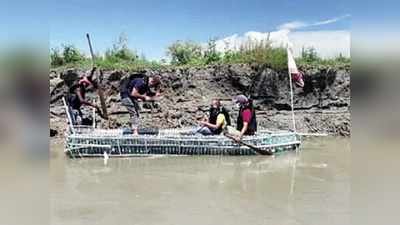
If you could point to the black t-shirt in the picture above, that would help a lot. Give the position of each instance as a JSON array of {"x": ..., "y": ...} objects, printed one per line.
[
  {"x": 73, "y": 99},
  {"x": 139, "y": 84}
]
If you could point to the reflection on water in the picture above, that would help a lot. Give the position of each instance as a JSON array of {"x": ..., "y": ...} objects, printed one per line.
[{"x": 308, "y": 187}]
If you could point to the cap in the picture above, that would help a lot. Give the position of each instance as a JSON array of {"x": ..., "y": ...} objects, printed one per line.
[{"x": 240, "y": 99}]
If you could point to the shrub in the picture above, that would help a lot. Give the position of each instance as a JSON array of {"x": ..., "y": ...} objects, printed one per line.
[
  {"x": 120, "y": 51},
  {"x": 210, "y": 54},
  {"x": 184, "y": 53},
  {"x": 342, "y": 59},
  {"x": 71, "y": 54},
  {"x": 260, "y": 53},
  {"x": 56, "y": 58},
  {"x": 309, "y": 55},
  {"x": 189, "y": 53}
]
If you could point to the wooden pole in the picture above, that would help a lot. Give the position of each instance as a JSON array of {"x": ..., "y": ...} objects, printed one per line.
[
  {"x": 252, "y": 147},
  {"x": 91, "y": 49},
  {"x": 100, "y": 87}
]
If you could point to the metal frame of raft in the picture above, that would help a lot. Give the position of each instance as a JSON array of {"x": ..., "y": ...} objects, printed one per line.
[{"x": 92, "y": 142}]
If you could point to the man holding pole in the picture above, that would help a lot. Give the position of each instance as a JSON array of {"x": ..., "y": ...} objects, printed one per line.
[{"x": 77, "y": 97}]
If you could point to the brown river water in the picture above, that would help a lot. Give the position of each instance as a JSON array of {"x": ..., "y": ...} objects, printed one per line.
[{"x": 309, "y": 187}]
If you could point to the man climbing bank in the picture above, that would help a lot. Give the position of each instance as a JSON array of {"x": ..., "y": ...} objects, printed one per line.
[{"x": 133, "y": 90}]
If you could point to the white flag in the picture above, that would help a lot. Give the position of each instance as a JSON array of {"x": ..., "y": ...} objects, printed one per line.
[
  {"x": 291, "y": 63},
  {"x": 297, "y": 76}
]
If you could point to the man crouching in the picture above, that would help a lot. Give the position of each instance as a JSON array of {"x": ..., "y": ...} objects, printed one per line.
[{"x": 135, "y": 90}]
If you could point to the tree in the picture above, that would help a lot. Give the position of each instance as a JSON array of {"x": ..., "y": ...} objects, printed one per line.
[
  {"x": 56, "y": 58},
  {"x": 342, "y": 59},
  {"x": 120, "y": 50},
  {"x": 309, "y": 54},
  {"x": 71, "y": 54},
  {"x": 211, "y": 55},
  {"x": 183, "y": 53}
]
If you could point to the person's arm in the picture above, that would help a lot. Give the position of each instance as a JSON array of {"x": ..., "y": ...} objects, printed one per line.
[
  {"x": 210, "y": 125},
  {"x": 82, "y": 100},
  {"x": 154, "y": 95},
  {"x": 243, "y": 131},
  {"x": 220, "y": 122},
  {"x": 135, "y": 93},
  {"x": 92, "y": 71},
  {"x": 246, "y": 117}
]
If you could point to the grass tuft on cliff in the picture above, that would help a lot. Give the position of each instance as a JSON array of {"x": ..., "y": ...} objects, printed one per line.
[{"x": 189, "y": 54}]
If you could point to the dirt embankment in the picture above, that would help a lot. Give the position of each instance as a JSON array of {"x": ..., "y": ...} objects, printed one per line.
[{"x": 321, "y": 106}]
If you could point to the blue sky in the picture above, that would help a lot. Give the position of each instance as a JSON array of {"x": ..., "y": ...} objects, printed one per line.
[{"x": 154, "y": 24}]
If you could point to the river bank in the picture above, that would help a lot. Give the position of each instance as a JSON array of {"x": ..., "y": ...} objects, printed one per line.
[{"x": 322, "y": 105}]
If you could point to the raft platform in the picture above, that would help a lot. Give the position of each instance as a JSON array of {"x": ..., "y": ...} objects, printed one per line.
[{"x": 94, "y": 142}]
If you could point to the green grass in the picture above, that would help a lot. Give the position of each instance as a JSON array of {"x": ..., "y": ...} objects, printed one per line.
[{"x": 186, "y": 54}]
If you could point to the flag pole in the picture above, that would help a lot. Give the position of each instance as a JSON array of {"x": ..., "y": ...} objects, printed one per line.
[{"x": 290, "y": 57}]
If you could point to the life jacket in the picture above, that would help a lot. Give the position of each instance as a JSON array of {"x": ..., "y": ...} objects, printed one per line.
[
  {"x": 214, "y": 113},
  {"x": 252, "y": 128}
]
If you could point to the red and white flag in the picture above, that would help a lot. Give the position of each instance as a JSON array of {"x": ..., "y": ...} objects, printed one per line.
[{"x": 297, "y": 75}]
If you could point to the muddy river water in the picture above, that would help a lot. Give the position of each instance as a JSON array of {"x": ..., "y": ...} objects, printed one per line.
[{"x": 309, "y": 187}]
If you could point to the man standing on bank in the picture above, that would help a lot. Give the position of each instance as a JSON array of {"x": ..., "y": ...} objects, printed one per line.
[{"x": 135, "y": 90}]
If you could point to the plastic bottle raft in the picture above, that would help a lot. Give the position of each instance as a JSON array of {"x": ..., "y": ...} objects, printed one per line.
[{"x": 92, "y": 142}]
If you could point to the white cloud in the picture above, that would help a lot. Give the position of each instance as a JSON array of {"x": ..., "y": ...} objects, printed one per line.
[
  {"x": 328, "y": 44},
  {"x": 293, "y": 25},
  {"x": 333, "y": 20}
]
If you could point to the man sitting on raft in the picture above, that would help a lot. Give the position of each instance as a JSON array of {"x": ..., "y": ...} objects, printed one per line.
[
  {"x": 246, "y": 122},
  {"x": 217, "y": 121}
]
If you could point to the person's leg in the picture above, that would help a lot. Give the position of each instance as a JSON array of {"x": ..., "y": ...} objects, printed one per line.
[
  {"x": 205, "y": 131},
  {"x": 76, "y": 117},
  {"x": 232, "y": 131},
  {"x": 71, "y": 115},
  {"x": 133, "y": 113}
]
